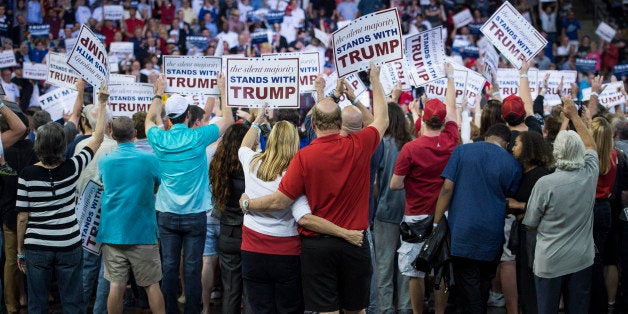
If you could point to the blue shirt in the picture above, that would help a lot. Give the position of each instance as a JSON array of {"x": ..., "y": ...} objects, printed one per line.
[
  {"x": 484, "y": 174},
  {"x": 183, "y": 167},
  {"x": 128, "y": 203},
  {"x": 571, "y": 29}
]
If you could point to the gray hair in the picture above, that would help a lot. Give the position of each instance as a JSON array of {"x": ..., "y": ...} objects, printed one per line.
[{"x": 568, "y": 151}]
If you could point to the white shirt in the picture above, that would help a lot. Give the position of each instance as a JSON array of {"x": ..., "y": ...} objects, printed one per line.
[
  {"x": 548, "y": 22},
  {"x": 282, "y": 223},
  {"x": 289, "y": 28},
  {"x": 272, "y": 5},
  {"x": 244, "y": 10},
  {"x": 11, "y": 90},
  {"x": 82, "y": 14},
  {"x": 98, "y": 14},
  {"x": 229, "y": 37}
]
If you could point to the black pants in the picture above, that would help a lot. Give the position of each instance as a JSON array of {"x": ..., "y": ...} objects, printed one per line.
[
  {"x": 525, "y": 276},
  {"x": 473, "y": 283},
  {"x": 273, "y": 282},
  {"x": 229, "y": 242},
  {"x": 601, "y": 236}
]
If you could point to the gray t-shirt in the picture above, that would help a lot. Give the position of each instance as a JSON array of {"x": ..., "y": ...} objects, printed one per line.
[{"x": 561, "y": 208}]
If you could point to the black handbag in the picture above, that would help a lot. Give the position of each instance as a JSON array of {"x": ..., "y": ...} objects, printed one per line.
[
  {"x": 417, "y": 231},
  {"x": 513, "y": 240}
]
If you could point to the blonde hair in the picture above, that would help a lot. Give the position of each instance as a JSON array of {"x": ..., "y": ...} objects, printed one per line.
[
  {"x": 282, "y": 145},
  {"x": 603, "y": 136}
]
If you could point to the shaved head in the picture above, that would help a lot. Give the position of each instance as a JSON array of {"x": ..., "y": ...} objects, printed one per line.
[{"x": 351, "y": 119}]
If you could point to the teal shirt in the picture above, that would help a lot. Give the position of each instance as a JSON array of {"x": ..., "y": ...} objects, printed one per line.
[
  {"x": 183, "y": 167},
  {"x": 128, "y": 203}
]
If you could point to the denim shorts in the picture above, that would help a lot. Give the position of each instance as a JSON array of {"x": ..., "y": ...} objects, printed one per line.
[{"x": 211, "y": 238}]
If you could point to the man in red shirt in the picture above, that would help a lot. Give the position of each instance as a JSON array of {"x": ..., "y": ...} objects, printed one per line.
[
  {"x": 133, "y": 22},
  {"x": 333, "y": 173},
  {"x": 418, "y": 170}
]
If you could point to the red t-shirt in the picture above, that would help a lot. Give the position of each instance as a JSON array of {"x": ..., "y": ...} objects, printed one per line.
[
  {"x": 422, "y": 162},
  {"x": 167, "y": 14},
  {"x": 605, "y": 182},
  {"x": 132, "y": 23},
  {"x": 335, "y": 172}
]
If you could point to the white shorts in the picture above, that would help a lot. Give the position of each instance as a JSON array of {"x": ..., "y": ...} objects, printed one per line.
[
  {"x": 507, "y": 255},
  {"x": 408, "y": 252}
]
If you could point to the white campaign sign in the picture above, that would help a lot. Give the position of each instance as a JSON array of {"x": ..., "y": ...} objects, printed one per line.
[
  {"x": 309, "y": 67},
  {"x": 59, "y": 72},
  {"x": 551, "y": 95},
  {"x": 394, "y": 72},
  {"x": 438, "y": 89},
  {"x": 513, "y": 36},
  {"x": 89, "y": 58},
  {"x": 121, "y": 79},
  {"x": 605, "y": 32},
  {"x": 197, "y": 99},
  {"x": 57, "y": 102},
  {"x": 475, "y": 83},
  {"x": 330, "y": 86},
  {"x": 88, "y": 216},
  {"x": 373, "y": 37},
  {"x": 127, "y": 99},
  {"x": 192, "y": 74},
  {"x": 322, "y": 36},
  {"x": 34, "y": 71},
  {"x": 113, "y": 12},
  {"x": 490, "y": 62},
  {"x": 7, "y": 59},
  {"x": 425, "y": 53},
  {"x": 251, "y": 82},
  {"x": 462, "y": 18},
  {"x": 356, "y": 83},
  {"x": 612, "y": 95},
  {"x": 122, "y": 50}
]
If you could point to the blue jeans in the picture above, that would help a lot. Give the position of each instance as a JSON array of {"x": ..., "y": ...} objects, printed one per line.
[
  {"x": 372, "y": 308},
  {"x": 575, "y": 289},
  {"x": 68, "y": 267},
  {"x": 177, "y": 233},
  {"x": 93, "y": 271},
  {"x": 389, "y": 278}
]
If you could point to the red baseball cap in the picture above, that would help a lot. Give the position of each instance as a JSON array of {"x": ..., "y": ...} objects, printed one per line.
[
  {"x": 435, "y": 108},
  {"x": 513, "y": 110}
]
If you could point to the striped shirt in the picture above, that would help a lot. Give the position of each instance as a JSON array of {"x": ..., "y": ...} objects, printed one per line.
[{"x": 48, "y": 196}]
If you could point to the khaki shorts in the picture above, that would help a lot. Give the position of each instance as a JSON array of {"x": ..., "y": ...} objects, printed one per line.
[{"x": 143, "y": 259}]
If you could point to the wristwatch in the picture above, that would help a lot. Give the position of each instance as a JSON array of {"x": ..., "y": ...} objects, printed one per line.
[
  {"x": 334, "y": 98},
  {"x": 245, "y": 206}
]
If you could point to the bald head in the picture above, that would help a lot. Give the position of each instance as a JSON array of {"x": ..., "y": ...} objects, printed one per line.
[
  {"x": 123, "y": 129},
  {"x": 326, "y": 116},
  {"x": 351, "y": 120}
]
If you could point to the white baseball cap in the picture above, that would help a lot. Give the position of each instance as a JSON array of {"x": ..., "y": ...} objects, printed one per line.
[{"x": 176, "y": 105}]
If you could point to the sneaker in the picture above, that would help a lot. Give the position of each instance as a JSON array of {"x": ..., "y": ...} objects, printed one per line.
[
  {"x": 6, "y": 170},
  {"x": 496, "y": 300},
  {"x": 611, "y": 308},
  {"x": 181, "y": 299}
]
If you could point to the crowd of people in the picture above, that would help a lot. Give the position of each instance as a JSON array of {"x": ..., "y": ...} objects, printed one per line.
[{"x": 322, "y": 208}]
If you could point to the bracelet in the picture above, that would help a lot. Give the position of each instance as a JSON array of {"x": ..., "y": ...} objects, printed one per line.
[
  {"x": 2, "y": 104},
  {"x": 434, "y": 225},
  {"x": 255, "y": 126},
  {"x": 21, "y": 256},
  {"x": 157, "y": 96},
  {"x": 450, "y": 76},
  {"x": 595, "y": 94},
  {"x": 523, "y": 76},
  {"x": 355, "y": 101}
]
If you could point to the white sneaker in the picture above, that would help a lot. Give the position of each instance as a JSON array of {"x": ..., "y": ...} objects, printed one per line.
[{"x": 496, "y": 300}]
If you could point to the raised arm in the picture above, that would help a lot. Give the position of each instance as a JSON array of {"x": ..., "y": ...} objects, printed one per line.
[
  {"x": 154, "y": 112},
  {"x": 380, "y": 107},
  {"x": 16, "y": 130},
  {"x": 227, "y": 115},
  {"x": 209, "y": 109},
  {"x": 367, "y": 116},
  {"x": 571, "y": 112},
  {"x": 319, "y": 85},
  {"x": 99, "y": 131},
  {"x": 596, "y": 90},
  {"x": 252, "y": 135},
  {"x": 524, "y": 89},
  {"x": 450, "y": 94}
]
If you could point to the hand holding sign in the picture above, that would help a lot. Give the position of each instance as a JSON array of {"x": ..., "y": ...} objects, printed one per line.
[
  {"x": 340, "y": 88},
  {"x": 596, "y": 85},
  {"x": 374, "y": 75},
  {"x": 569, "y": 108},
  {"x": 396, "y": 92},
  {"x": 449, "y": 69},
  {"x": 348, "y": 90},
  {"x": 103, "y": 94},
  {"x": 221, "y": 83},
  {"x": 560, "y": 86},
  {"x": 525, "y": 66},
  {"x": 160, "y": 84}
]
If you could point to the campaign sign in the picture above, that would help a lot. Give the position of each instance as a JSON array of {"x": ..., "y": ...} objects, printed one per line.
[
  {"x": 309, "y": 67},
  {"x": 197, "y": 99},
  {"x": 127, "y": 99},
  {"x": 471, "y": 52},
  {"x": 438, "y": 89},
  {"x": 121, "y": 79},
  {"x": 192, "y": 74},
  {"x": 34, "y": 71},
  {"x": 69, "y": 44},
  {"x": 57, "y": 102},
  {"x": 88, "y": 216},
  {"x": 199, "y": 42},
  {"x": 585, "y": 65},
  {"x": 113, "y": 12},
  {"x": 462, "y": 18},
  {"x": 59, "y": 72},
  {"x": 373, "y": 37},
  {"x": 273, "y": 17},
  {"x": 475, "y": 83},
  {"x": 551, "y": 95},
  {"x": 39, "y": 31},
  {"x": 425, "y": 54},
  {"x": 513, "y": 36},
  {"x": 508, "y": 80},
  {"x": 620, "y": 70},
  {"x": 259, "y": 36},
  {"x": 330, "y": 87},
  {"x": 322, "y": 36},
  {"x": 89, "y": 58},
  {"x": 612, "y": 95},
  {"x": 251, "y": 82},
  {"x": 605, "y": 32},
  {"x": 474, "y": 28},
  {"x": 393, "y": 72},
  {"x": 121, "y": 49},
  {"x": 356, "y": 83},
  {"x": 7, "y": 59},
  {"x": 491, "y": 60}
]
